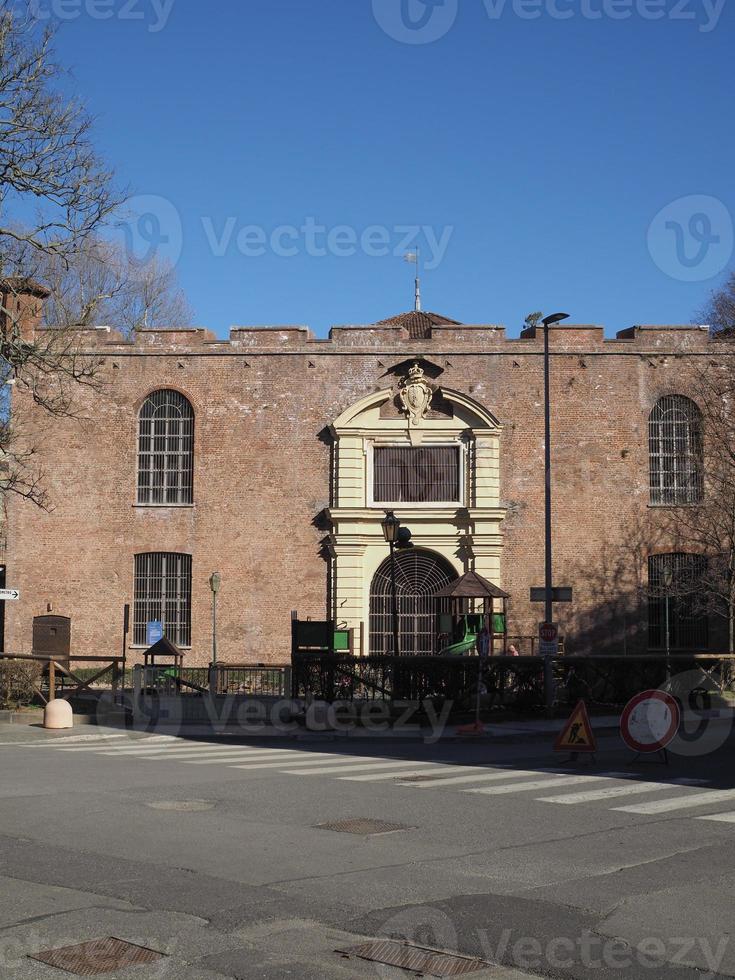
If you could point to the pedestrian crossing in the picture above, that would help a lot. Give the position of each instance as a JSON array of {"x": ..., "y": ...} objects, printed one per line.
[{"x": 674, "y": 795}]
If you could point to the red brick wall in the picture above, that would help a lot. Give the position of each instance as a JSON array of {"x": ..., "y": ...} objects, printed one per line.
[{"x": 262, "y": 464}]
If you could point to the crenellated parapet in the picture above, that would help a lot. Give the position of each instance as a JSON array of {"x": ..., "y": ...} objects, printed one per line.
[{"x": 443, "y": 338}]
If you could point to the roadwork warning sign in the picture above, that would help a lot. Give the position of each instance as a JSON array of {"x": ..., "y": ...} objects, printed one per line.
[{"x": 577, "y": 734}]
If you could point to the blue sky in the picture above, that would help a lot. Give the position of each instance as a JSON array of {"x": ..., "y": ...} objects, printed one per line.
[{"x": 536, "y": 140}]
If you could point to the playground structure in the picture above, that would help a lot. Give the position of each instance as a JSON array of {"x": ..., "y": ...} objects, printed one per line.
[{"x": 468, "y": 618}]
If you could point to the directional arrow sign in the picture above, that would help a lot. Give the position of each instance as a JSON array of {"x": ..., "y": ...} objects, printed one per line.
[{"x": 9, "y": 594}]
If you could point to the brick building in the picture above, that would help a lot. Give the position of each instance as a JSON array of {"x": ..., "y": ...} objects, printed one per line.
[{"x": 272, "y": 457}]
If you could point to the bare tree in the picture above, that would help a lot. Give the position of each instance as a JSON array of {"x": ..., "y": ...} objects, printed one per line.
[
  {"x": 54, "y": 194},
  {"x": 48, "y": 166},
  {"x": 719, "y": 311},
  {"x": 532, "y": 320},
  {"x": 102, "y": 284},
  {"x": 708, "y": 527}
]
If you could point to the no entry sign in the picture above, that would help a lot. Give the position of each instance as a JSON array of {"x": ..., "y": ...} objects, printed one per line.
[{"x": 650, "y": 721}]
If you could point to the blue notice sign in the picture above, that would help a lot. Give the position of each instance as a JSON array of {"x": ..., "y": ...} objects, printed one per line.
[{"x": 153, "y": 632}]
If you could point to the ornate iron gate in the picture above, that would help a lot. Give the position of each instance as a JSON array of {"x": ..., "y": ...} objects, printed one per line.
[{"x": 419, "y": 575}]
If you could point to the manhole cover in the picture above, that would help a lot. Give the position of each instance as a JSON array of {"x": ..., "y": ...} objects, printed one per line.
[
  {"x": 416, "y": 959},
  {"x": 98, "y": 956},
  {"x": 362, "y": 825},
  {"x": 184, "y": 806}
]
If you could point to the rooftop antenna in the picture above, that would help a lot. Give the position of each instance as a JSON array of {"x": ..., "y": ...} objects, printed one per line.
[{"x": 415, "y": 258}]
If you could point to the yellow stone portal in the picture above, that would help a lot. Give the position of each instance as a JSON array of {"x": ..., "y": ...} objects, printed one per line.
[{"x": 467, "y": 532}]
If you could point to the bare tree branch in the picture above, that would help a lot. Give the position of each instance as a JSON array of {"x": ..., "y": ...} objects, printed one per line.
[
  {"x": 55, "y": 194},
  {"x": 719, "y": 312},
  {"x": 102, "y": 284}
]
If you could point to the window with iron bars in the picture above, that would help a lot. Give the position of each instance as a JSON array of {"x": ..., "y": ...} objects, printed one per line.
[
  {"x": 163, "y": 594},
  {"x": 419, "y": 575},
  {"x": 688, "y": 626},
  {"x": 417, "y": 474},
  {"x": 675, "y": 451},
  {"x": 166, "y": 449}
]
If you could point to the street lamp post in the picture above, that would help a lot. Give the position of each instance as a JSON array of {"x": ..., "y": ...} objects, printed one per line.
[
  {"x": 391, "y": 526},
  {"x": 548, "y": 583},
  {"x": 215, "y": 580}
]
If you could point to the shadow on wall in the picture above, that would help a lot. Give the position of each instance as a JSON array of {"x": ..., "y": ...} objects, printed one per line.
[{"x": 615, "y": 617}]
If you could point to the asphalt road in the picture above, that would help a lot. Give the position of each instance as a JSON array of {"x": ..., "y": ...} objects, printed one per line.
[{"x": 210, "y": 851}]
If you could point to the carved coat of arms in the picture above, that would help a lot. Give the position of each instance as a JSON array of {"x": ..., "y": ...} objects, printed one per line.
[{"x": 415, "y": 394}]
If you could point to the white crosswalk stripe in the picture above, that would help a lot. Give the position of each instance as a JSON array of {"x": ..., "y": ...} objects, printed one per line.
[
  {"x": 175, "y": 753},
  {"x": 357, "y": 767},
  {"x": 88, "y": 742},
  {"x": 402, "y": 774},
  {"x": 331, "y": 763},
  {"x": 58, "y": 740},
  {"x": 683, "y": 803},
  {"x": 549, "y": 783},
  {"x": 477, "y": 774},
  {"x": 728, "y": 817},
  {"x": 130, "y": 744},
  {"x": 610, "y": 792},
  {"x": 285, "y": 757}
]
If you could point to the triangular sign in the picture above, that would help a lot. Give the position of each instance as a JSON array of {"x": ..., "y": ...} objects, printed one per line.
[{"x": 577, "y": 734}]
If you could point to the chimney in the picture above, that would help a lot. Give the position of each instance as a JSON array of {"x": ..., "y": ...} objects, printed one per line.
[{"x": 22, "y": 305}]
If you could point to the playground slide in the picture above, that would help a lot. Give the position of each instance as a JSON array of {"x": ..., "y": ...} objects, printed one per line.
[{"x": 456, "y": 649}]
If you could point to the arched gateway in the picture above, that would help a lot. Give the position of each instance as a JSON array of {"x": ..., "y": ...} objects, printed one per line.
[
  {"x": 419, "y": 575},
  {"x": 432, "y": 455}
]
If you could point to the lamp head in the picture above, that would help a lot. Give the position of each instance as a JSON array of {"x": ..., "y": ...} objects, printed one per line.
[
  {"x": 390, "y": 525},
  {"x": 554, "y": 318}
]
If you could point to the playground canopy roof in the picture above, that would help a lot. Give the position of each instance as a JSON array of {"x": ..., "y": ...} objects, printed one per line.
[
  {"x": 163, "y": 648},
  {"x": 471, "y": 586}
]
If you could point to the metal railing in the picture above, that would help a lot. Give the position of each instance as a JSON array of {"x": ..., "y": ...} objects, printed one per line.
[
  {"x": 222, "y": 679},
  {"x": 259, "y": 681},
  {"x": 505, "y": 682}
]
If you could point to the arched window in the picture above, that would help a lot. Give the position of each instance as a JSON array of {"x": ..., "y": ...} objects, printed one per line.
[
  {"x": 675, "y": 451},
  {"x": 163, "y": 595},
  {"x": 419, "y": 575},
  {"x": 166, "y": 449}
]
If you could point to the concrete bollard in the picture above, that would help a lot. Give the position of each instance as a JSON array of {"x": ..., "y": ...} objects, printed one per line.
[{"x": 58, "y": 714}]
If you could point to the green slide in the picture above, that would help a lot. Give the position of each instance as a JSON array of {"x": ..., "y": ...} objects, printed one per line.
[{"x": 462, "y": 646}]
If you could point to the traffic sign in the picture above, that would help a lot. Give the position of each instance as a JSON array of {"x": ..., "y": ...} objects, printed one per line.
[
  {"x": 650, "y": 721},
  {"x": 9, "y": 594},
  {"x": 562, "y": 593},
  {"x": 577, "y": 734},
  {"x": 548, "y": 636}
]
